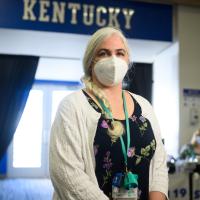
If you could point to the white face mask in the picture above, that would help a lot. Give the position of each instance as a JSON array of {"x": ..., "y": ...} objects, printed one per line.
[{"x": 110, "y": 71}]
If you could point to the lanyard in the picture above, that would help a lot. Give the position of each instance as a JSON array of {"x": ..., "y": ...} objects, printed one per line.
[{"x": 124, "y": 150}]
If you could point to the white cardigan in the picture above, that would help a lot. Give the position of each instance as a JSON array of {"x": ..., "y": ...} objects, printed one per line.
[{"x": 72, "y": 161}]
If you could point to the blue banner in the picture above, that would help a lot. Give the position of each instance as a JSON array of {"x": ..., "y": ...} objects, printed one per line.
[
  {"x": 137, "y": 20},
  {"x": 191, "y": 92}
]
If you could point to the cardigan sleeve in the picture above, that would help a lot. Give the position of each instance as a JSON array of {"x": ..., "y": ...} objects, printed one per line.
[
  {"x": 158, "y": 168},
  {"x": 67, "y": 169},
  {"x": 158, "y": 173}
]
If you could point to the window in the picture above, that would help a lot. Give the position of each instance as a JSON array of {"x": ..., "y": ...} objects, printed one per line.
[
  {"x": 28, "y": 136},
  {"x": 30, "y": 147}
]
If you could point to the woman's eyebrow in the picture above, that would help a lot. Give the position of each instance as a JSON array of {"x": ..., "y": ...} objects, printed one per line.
[
  {"x": 121, "y": 50},
  {"x": 103, "y": 49}
]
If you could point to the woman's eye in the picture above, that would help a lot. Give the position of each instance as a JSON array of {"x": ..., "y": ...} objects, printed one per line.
[
  {"x": 102, "y": 54},
  {"x": 121, "y": 54}
]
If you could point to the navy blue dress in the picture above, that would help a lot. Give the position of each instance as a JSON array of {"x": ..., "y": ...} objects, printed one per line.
[{"x": 109, "y": 157}]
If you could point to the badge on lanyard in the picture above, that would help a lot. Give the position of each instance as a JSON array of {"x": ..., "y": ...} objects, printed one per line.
[{"x": 124, "y": 186}]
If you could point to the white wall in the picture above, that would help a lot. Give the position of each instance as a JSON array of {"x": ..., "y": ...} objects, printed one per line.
[
  {"x": 59, "y": 69},
  {"x": 189, "y": 61},
  {"x": 72, "y": 46},
  {"x": 165, "y": 96}
]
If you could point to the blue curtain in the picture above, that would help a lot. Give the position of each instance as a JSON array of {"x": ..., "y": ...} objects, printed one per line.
[{"x": 16, "y": 78}]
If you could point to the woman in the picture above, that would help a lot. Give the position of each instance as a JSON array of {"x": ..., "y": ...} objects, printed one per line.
[
  {"x": 103, "y": 131},
  {"x": 195, "y": 142},
  {"x": 192, "y": 150}
]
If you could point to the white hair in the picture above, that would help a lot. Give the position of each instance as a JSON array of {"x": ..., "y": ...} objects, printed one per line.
[
  {"x": 88, "y": 58},
  {"x": 93, "y": 45}
]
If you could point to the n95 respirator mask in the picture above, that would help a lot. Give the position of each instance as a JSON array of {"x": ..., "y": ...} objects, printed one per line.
[{"x": 110, "y": 71}]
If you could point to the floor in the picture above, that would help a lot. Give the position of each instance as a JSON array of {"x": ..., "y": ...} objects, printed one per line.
[{"x": 25, "y": 189}]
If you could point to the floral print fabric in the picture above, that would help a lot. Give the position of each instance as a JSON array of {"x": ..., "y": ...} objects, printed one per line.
[{"x": 109, "y": 157}]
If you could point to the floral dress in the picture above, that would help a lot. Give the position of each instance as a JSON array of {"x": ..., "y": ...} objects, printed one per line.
[{"x": 109, "y": 157}]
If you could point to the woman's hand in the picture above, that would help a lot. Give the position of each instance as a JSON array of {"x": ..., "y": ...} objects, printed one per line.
[{"x": 157, "y": 196}]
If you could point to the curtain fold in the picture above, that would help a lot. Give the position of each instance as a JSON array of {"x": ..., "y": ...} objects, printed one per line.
[
  {"x": 17, "y": 75},
  {"x": 139, "y": 80}
]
